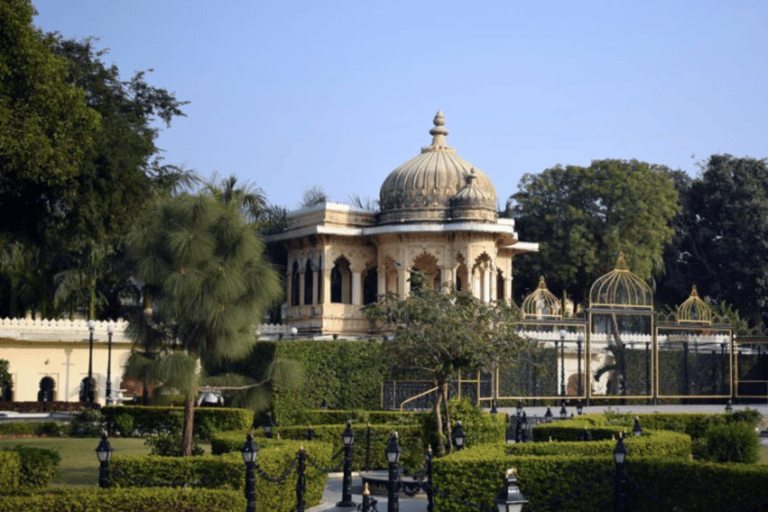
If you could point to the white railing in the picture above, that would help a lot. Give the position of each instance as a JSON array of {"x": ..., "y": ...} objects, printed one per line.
[{"x": 77, "y": 330}]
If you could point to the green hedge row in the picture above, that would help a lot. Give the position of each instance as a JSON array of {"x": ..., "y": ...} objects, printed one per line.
[
  {"x": 346, "y": 374},
  {"x": 228, "y": 472},
  {"x": 651, "y": 443},
  {"x": 357, "y": 416},
  {"x": 127, "y": 500},
  {"x": 37, "y": 466},
  {"x": 410, "y": 439},
  {"x": 10, "y": 468},
  {"x": 33, "y": 428},
  {"x": 145, "y": 420},
  {"x": 586, "y": 484}
]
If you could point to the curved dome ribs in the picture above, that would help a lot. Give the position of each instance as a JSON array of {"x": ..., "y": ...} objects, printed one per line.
[{"x": 437, "y": 185}]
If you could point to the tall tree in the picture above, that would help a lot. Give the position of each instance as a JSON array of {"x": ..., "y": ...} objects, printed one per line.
[
  {"x": 584, "y": 216},
  {"x": 723, "y": 243},
  {"x": 202, "y": 270},
  {"x": 444, "y": 334},
  {"x": 46, "y": 127}
]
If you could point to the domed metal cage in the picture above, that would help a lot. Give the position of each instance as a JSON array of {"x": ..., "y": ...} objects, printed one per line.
[
  {"x": 542, "y": 304},
  {"x": 694, "y": 310},
  {"x": 620, "y": 288}
]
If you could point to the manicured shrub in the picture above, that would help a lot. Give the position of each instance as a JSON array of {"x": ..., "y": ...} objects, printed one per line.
[
  {"x": 10, "y": 469},
  {"x": 89, "y": 423},
  {"x": 228, "y": 472},
  {"x": 33, "y": 428},
  {"x": 169, "y": 445},
  {"x": 730, "y": 442},
  {"x": 127, "y": 500},
  {"x": 479, "y": 426},
  {"x": 37, "y": 466},
  {"x": 147, "y": 420}
]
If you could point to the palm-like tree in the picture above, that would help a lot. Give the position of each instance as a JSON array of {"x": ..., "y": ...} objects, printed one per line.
[{"x": 206, "y": 285}]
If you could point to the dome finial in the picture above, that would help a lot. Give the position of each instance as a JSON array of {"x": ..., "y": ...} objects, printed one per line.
[{"x": 438, "y": 133}]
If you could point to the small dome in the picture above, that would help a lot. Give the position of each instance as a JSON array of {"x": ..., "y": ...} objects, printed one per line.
[
  {"x": 694, "y": 310},
  {"x": 429, "y": 186},
  {"x": 542, "y": 303},
  {"x": 620, "y": 288}
]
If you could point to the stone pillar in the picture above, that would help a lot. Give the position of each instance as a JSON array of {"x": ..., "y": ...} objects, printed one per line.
[
  {"x": 402, "y": 283},
  {"x": 357, "y": 289},
  {"x": 326, "y": 286},
  {"x": 508, "y": 289},
  {"x": 447, "y": 278},
  {"x": 302, "y": 288},
  {"x": 315, "y": 282}
]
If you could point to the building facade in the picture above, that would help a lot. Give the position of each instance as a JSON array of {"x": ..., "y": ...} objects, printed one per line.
[{"x": 438, "y": 215}]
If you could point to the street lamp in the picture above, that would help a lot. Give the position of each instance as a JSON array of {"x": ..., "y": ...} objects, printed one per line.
[
  {"x": 250, "y": 451},
  {"x": 579, "y": 408},
  {"x": 729, "y": 407},
  {"x": 393, "y": 456},
  {"x": 509, "y": 498},
  {"x": 104, "y": 453},
  {"x": 268, "y": 426},
  {"x": 563, "y": 412},
  {"x": 619, "y": 458},
  {"x": 637, "y": 430},
  {"x": 548, "y": 415},
  {"x": 348, "y": 438},
  {"x": 511, "y": 436},
  {"x": 562, "y": 362},
  {"x": 524, "y": 433},
  {"x": 459, "y": 437},
  {"x": 519, "y": 408},
  {"x": 89, "y": 383},
  {"x": 110, "y": 331}
]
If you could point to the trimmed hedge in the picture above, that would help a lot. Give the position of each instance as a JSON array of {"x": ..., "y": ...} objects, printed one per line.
[
  {"x": 208, "y": 420},
  {"x": 410, "y": 439},
  {"x": 10, "y": 468},
  {"x": 127, "y": 500},
  {"x": 347, "y": 374},
  {"x": 228, "y": 472},
  {"x": 37, "y": 466},
  {"x": 585, "y": 484},
  {"x": 357, "y": 416},
  {"x": 33, "y": 428}
]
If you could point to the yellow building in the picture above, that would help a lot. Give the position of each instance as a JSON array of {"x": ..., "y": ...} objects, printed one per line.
[{"x": 438, "y": 214}]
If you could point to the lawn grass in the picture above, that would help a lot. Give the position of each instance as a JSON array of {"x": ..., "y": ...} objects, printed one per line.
[{"x": 79, "y": 466}]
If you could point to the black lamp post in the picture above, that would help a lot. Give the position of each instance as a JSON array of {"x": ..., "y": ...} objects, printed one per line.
[
  {"x": 110, "y": 331},
  {"x": 563, "y": 412},
  {"x": 348, "y": 438},
  {"x": 519, "y": 408},
  {"x": 268, "y": 426},
  {"x": 579, "y": 408},
  {"x": 89, "y": 382},
  {"x": 494, "y": 410},
  {"x": 637, "y": 430},
  {"x": 250, "y": 451},
  {"x": 512, "y": 434},
  {"x": 393, "y": 456},
  {"x": 562, "y": 362},
  {"x": 548, "y": 415},
  {"x": 729, "y": 407},
  {"x": 459, "y": 437},
  {"x": 619, "y": 458},
  {"x": 579, "y": 385},
  {"x": 324, "y": 405},
  {"x": 524, "y": 429},
  {"x": 104, "y": 453},
  {"x": 509, "y": 498}
]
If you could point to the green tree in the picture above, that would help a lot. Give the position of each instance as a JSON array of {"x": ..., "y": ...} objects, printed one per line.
[
  {"x": 46, "y": 127},
  {"x": 6, "y": 382},
  {"x": 206, "y": 284},
  {"x": 723, "y": 234},
  {"x": 584, "y": 216},
  {"x": 443, "y": 335}
]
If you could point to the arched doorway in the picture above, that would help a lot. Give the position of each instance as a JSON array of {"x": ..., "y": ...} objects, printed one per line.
[{"x": 47, "y": 390}]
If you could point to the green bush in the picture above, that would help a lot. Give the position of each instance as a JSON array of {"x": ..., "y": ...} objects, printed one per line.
[
  {"x": 169, "y": 445},
  {"x": 479, "y": 427},
  {"x": 88, "y": 423},
  {"x": 585, "y": 484},
  {"x": 149, "y": 420},
  {"x": 730, "y": 442},
  {"x": 357, "y": 416},
  {"x": 30, "y": 428},
  {"x": 227, "y": 472},
  {"x": 410, "y": 439},
  {"x": 10, "y": 469},
  {"x": 127, "y": 500},
  {"x": 37, "y": 466}
]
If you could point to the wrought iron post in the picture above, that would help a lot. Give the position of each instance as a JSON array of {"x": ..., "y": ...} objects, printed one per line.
[
  {"x": 368, "y": 502},
  {"x": 393, "y": 480},
  {"x": 301, "y": 481},
  {"x": 619, "y": 457},
  {"x": 562, "y": 362},
  {"x": 647, "y": 368},
  {"x": 428, "y": 476},
  {"x": 579, "y": 341},
  {"x": 346, "y": 487},
  {"x": 89, "y": 382},
  {"x": 686, "y": 384},
  {"x": 368, "y": 447},
  {"x": 110, "y": 331}
]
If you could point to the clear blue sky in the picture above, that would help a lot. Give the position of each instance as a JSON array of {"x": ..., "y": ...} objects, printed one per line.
[{"x": 292, "y": 94}]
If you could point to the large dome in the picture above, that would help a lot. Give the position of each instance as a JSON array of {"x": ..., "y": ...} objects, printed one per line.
[{"x": 437, "y": 185}]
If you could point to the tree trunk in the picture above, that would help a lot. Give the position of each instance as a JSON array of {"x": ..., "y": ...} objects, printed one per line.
[
  {"x": 439, "y": 424},
  {"x": 449, "y": 435},
  {"x": 189, "y": 419}
]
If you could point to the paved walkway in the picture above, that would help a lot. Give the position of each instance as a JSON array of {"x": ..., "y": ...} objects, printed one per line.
[{"x": 332, "y": 493}]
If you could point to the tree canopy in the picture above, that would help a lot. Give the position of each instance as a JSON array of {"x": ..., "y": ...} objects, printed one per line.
[
  {"x": 584, "y": 216},
  {"x": 206, "y": 285},
  {"x": 440, "y": 335}
]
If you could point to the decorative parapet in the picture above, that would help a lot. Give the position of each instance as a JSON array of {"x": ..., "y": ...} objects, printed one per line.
[{"x": 28, "y": 329}]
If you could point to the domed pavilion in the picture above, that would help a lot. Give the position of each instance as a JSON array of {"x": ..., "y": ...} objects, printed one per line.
[{"x": 438, "y": 215}]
